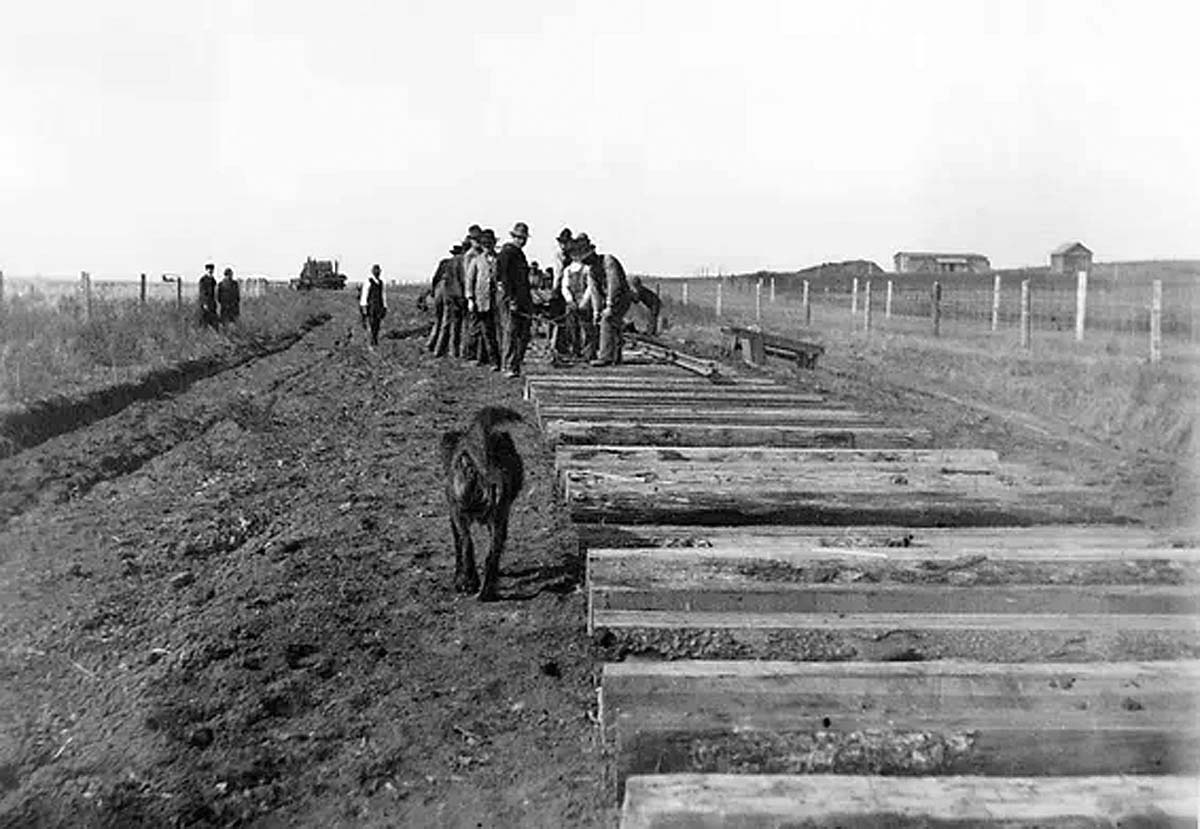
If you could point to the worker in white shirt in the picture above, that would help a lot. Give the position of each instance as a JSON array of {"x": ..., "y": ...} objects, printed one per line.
[{"x": 372, "y": 303}]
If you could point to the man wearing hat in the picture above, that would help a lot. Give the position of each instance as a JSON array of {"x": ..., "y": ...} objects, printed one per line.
[
  {"x": 437, "y": 289},
  {"x": 229, "y": 298},
  {"x": 610, "y": 298},
  {"x": 454, "y": 301},
  {"x": 208, "y": 297},
  {"x": 514, "y": 299},
  {"x": 481, "y": 301}
]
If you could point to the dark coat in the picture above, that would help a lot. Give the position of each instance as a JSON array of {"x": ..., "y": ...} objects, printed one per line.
[
  {"x": 208, "y": 293},
  {"x": 229, "y": 295},
  {"x": 512, "y": 278}
]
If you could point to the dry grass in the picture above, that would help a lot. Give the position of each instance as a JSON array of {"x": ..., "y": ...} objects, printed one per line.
[
  {"x": 47, "y": 350},
  {"x": 1104, "y": 386}
]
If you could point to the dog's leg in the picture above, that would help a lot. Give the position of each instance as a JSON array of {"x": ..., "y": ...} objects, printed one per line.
[
  {"x": 491, "y": 567},
  {"x": 466, "y": 579}
]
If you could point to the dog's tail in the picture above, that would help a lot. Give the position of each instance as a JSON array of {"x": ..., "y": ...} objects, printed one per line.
[{"x": 489, "y": 417}]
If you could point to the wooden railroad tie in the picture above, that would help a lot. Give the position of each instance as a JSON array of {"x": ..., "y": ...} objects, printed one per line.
[{"x": 724, "y": 801}]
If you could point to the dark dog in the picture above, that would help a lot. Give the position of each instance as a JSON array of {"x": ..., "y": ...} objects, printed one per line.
[{"x": 484, "y": 474}]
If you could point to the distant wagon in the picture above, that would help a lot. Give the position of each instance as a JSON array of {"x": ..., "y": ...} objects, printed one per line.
[
  {"x": 319, "y": 273},
  {"x": 1070, "y": 257},
  {"x": 907, "y": 261}
]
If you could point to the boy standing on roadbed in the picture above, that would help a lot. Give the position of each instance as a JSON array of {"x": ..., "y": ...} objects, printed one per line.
[
  {"x": 372, "y": 303},
  {"x": 229, "y": 298}
]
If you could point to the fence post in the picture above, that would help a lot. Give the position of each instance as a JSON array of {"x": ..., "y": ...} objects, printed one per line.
[
  {"x": 996, "y": 303},
  {"x": 758, "y": 302},
  {"x": 1026, "y": 303},
  {"x": 1080, "y": 304},
  {"x": 718, "y": 297},
  {"x": 806, "y": 304},
  {"x": 85, "y": 281},
  {"x": 853, "y": 300},
  {"x": 935, "y": 296},
  {"x": 1156, "y": 322},
  {"x": 887, "y": 302},
  {"x": 179, "y": 292},
  {"x": 867, "y": 308},
  {"x": 142, "y": 293},
  {"x": 683, "y": 294},
  {"x": 772, "y": 290}
]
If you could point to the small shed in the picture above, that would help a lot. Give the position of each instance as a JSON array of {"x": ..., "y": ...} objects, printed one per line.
[
  {"x": 1070, "y": 257},
  {"x": 907, "y": 261}
]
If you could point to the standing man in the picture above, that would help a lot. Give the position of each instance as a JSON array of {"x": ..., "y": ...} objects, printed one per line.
[
  {"x": 372, "y": 303},
  {"x": 611, "y": 297},
  {"x": 454, "y": 298},
  {"x": 481, "y": 301},
  {"x": 439, "y": 301},
  {"x": 473, "y": 248},
  {"x": 208, "y": 297},
  {"x": 564, "y": 335},
  {"x": 229, "y": 298},
  {"x": 515, "y": 300}
]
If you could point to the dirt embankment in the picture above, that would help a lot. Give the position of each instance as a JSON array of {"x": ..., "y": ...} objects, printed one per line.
[
  {"x": 234, "y": 607},
  {"x": 29, "y": 425}
]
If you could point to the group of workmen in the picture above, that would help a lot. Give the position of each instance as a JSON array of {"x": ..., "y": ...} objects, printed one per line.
[
  {"x": 483, "y": 301},
  {"x": 220, "y": 302}
]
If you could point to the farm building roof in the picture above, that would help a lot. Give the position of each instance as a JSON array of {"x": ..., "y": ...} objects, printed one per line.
[
  {"x": 940, "y": 255},
  {"x": 1067, "y": 247}
]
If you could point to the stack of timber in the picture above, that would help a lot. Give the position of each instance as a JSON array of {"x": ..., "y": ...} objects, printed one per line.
[{"x": 865, "y": 631}]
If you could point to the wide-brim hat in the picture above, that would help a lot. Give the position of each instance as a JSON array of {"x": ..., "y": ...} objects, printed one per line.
[
  {"x": 520, "y": 230},
  {"x": 564, "y": 235},
  {"x": 488, "y": 235},
  {"x": 474, "y": 232}
]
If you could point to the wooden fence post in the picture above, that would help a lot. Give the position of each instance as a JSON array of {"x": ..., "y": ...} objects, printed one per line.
[
  {"x": 807, "y": 304},
  {"x": 935, "y": 296},
  {"x": 887, "y": 302},
  {"x": 853, "y": 299},
  {"x": 179, "y": 292},
  {"x": 867, "y": 307},
  {"x": 772, "y": 290},
  {"x": 718, "y": 297},
  {"x": 1026, "y": 303},
  {"x": 85, "y": 281},
  {"x": 1080, "y": 304},
  {"x": 142, "y": 293},
  {"x": 683, "y": 294},
  {"x": 996, "y": 303},
  {"x": 758, "y": 302},
  {"x": 1156, "y": 322}
]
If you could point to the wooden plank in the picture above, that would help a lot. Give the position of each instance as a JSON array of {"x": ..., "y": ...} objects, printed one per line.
[
  {"x": 816, "y": 463},
  {"x": 662, "y": 413},
  {"x": 683, "y": 572},
  {"x": 644, "y": 433},
  {"x": 796, "y": 546},
  {"x": 902, "y": 718},
  {"x": 737, "y": 497},
  {"x": 751, "y": 595},
  {"x": 728, "y": 801},
  {"x": 716, "y": 396},
  {"x": 994, "y": 637}
]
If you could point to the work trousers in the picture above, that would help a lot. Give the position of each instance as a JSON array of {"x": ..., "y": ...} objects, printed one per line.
[
  {"x": 436, "y": 331},
  {"x": 610, "y": 332},
  {"x": 487, "y": 344},
  {"x": 567, "y": 334},
  {"x": 450, "y": 338},
  {"x": 514, "y": 325},
  {"x": 374, "y": 320}
]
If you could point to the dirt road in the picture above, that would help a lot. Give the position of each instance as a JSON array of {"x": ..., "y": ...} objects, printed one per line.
[{"x": 234, "y": 606}]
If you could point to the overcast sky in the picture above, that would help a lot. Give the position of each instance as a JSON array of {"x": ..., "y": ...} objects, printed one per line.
[{"x": 152, "y": 136}]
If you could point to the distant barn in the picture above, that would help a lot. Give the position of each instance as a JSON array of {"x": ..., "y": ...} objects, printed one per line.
[
  {"x": 1070, "y": 257},
  {"x": 923, "y": 262}
]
